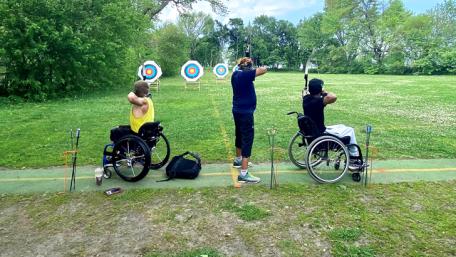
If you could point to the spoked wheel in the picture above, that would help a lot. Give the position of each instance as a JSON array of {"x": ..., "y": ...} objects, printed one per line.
[
  {"x": 159, "y": 152},
  {"x": 131, "y": 158},
  {"x": 297, "y": 150},
  {"x": 328, "y": 158}
]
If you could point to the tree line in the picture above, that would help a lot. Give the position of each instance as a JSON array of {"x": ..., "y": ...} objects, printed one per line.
[{"x": 50, "y": 48}]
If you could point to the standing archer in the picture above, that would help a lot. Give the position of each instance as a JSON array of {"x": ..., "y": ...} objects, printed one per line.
[{"x": 244, "y": 105}]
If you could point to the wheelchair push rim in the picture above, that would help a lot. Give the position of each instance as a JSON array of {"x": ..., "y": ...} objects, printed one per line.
[
  {"x": 131, "y": 158},
  {"x": 160, "y": 152},
  {"x": 329, "y": 159},
  {"x": 297, "y": 149}
]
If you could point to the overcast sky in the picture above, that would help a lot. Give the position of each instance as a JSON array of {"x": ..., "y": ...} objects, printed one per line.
[{"x": 281, "y": 9}]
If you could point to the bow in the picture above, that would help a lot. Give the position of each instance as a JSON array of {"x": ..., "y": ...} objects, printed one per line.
[{"x": 305, "y": 91}]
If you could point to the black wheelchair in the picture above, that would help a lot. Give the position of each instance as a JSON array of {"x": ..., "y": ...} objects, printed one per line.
[
  {"x": 325, "y": 156},
  {"x": 131, "y": 154}
]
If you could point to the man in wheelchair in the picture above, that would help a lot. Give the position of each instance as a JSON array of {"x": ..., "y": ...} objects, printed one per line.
[
  {"x": 140, "y": 146},
  {"x": 314, "y": 104},
  {"x": 142, "y": 110}
]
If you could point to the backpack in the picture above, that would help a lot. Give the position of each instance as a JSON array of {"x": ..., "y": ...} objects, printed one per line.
[{"x": 181, "y": 167}]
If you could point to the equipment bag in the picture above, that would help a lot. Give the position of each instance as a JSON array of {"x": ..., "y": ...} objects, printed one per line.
[{"x": 181, "y": 167}]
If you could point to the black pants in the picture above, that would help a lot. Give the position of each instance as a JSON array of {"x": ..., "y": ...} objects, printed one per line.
[{"x": 244, "y": 132}]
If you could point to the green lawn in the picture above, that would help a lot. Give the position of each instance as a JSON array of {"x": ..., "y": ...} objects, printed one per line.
[
  {"x": 412, "y": 116},
  {"x": 417, "y": 219}
]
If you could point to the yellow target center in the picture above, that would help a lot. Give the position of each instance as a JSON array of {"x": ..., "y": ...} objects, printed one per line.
[
  {"x": 149, "y": 72},
  {"x": 192, "y": 71}
]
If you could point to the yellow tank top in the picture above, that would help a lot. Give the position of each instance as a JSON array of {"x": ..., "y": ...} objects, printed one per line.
[{"x": 137, "y": 122}]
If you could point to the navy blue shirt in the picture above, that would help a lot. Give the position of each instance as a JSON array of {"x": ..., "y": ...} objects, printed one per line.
[
  {"x": 314, "y": 108},
  {"x": 244, "y": 96}
]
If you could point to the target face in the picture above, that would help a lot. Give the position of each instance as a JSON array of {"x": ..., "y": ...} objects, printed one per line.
[
  {"x": 192, "y": 71},
  {"x": 149, "y": 71},
  {"x": 221, "y": 70}
]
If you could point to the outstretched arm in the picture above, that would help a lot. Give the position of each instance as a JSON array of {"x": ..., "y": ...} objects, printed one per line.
[{"x": 260, "y": 71}]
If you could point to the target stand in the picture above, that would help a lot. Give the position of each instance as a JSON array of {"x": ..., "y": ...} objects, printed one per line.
[
  {"x": 219, "y": 80},
  {"x": 155, "y": 84},
  {"x": 195, "y": 84}
]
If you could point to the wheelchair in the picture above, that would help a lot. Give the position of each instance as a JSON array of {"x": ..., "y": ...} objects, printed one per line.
[
  {"x": 325, "y": 156},
  {"x": 131, "y": 154}
]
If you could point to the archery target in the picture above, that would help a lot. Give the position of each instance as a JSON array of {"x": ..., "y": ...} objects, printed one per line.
[
  {"x": 192, "y": 71},
  {"x": 149, "y": 71},
  {"x": 221, "y": 70}
]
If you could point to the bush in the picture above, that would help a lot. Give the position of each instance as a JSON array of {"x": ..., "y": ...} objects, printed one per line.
[{"x": 53, "y": 47}]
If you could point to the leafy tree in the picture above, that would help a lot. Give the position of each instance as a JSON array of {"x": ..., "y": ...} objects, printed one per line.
[
  {"x": 313, "y": 40},
  {"x": 236, "y": 38},
  {"x": 265, "y": 41},
  {"x": 52, "y": 47},
  {"x": 154, "y": 7},
  {"x": 212, "y": 45},
  {"x": 288, "y": 44},
  {"x": 340, "y": 22},
  {"x": 440, "y": 58},
  {"x": 195, "y": 26},
  {"x": 415, "y": 36},
  {"x": 169, "y": 49}
]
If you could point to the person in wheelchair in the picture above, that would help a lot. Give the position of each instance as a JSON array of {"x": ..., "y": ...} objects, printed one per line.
[
  {"x": 140, "y": 146},
  {"x": 142, "y": 110},
  {"x": 314, "y": 105}
]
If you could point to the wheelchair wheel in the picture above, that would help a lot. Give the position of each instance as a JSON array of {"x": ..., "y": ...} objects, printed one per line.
[
  {"x": 159, "y": 152},
  {"x": 297, "y": 150},
  {"x": 328, "y": 158},
  {"x": 356, "y": 177},
  {"x": 131, "y": 158},
  {"x": 107, "y": 172}
]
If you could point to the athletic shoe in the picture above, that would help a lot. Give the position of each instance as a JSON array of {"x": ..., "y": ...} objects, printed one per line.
[
  {"x": 238, "y": 164},
  {"x": 248, "y": 179},
  {"x": 355, "y": 165}
]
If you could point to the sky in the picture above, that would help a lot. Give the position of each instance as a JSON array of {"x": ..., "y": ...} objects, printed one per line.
[{"x": 290, "y": 10}]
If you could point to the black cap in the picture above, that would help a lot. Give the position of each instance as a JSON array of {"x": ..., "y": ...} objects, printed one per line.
[{"x": 315, "y": 86}]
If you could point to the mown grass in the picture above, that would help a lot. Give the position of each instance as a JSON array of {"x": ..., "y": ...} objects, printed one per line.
[
  {"x": 412, "y": 116},
  {"x": 407, "y": 219}
]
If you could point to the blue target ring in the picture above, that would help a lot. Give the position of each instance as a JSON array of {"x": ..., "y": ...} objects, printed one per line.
[
  {"x": 221, "y": 70},
  {"x": 192, "y": 71},
  {"x": 149, "y": 72}
]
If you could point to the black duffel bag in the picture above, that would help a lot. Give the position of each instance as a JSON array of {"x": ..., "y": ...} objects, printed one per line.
[{"x": 181, "y": 167}]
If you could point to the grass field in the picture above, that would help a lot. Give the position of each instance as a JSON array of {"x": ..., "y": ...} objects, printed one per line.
[
  {"x": 317, "y": 220},
  {"x": 412, "y": 116}
]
